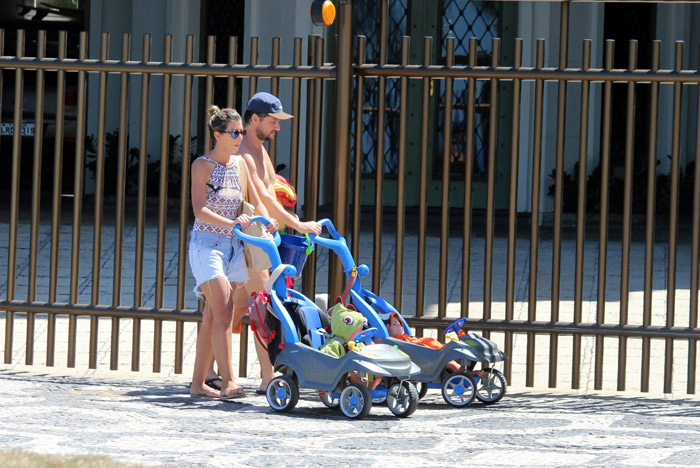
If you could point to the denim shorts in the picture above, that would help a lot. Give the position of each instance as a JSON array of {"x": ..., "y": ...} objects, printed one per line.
[{"x": 214, "y": 256}]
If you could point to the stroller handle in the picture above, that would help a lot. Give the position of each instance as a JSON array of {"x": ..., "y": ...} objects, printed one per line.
[
  {"x": 337, "y": 244},
  {"x": 330, "y": 227},
  {"x": 269, "y": 245}
]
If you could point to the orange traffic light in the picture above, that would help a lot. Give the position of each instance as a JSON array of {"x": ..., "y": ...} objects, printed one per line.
[{"x": 322, "y": 12}]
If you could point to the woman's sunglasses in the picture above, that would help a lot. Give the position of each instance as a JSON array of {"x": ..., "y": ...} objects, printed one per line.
[{"x": 235, "y": 133}]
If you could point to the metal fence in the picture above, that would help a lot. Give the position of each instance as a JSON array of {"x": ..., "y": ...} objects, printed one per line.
[{"x": 500, "y": 261}]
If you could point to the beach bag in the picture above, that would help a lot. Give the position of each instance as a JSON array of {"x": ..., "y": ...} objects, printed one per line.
[{"x": 255, "y": 258}]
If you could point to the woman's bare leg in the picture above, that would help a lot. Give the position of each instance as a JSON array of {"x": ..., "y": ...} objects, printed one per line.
[
  {"x": 203, "y": 356},
  {"x": 220, "y": 299}
]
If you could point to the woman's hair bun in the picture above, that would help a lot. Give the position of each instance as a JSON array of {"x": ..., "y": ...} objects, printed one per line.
[{"x": 213, "y": 110}]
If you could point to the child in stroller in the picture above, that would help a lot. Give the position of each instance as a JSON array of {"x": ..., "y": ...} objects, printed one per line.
[{"x": 395, "y": 326}]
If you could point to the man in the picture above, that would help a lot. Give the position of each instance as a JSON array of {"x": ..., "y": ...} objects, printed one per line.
[{"x": 262, "y": 122}]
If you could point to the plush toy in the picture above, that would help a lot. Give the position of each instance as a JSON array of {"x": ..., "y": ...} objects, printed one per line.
[{"x": 346, "y": 324}]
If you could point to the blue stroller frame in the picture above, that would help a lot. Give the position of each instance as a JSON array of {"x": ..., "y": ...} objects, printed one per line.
[
  {"x": 302, "y": 365},
  {"x": 458, "y": 388}
]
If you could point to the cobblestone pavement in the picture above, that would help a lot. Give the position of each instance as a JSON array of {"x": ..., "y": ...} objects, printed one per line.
[{"x": 154, "y": 422}]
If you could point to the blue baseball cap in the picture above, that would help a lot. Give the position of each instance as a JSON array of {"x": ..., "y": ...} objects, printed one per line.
[{"x": 268, "y": 104}]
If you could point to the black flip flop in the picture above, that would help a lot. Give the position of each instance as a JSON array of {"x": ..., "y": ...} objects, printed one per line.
[
  {"x": 214, "y": 383},
  {"x": 260, "y": 392}
]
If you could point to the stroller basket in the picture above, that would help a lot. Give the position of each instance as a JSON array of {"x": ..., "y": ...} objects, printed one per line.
[{"x": 292, "y": 251}]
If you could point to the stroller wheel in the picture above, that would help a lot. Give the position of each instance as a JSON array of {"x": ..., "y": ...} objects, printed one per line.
[
  {"x": 355, "y": 401},
  {"x": 491, "y": 387},
  {"x": 458, "y": 389},
  {"x": 402, "y": 399},
  {"x": 282, "y": 393},
  {"x": 422, "y": 388},
  {"x": 328, "y": 400}
]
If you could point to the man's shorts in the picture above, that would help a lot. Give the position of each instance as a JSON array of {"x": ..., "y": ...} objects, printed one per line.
[{"x": 214, "y": 256}]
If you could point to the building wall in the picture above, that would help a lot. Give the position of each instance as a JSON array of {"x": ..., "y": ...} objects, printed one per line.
[
  {"x": 540, "y": 20},
  {"x": 287, "y": 19},
  {"x": 137, "y": 17}
]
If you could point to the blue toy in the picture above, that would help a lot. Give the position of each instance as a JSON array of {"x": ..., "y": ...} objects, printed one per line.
[
  {"x": 302, "y": 365},
  {"x": 458, "y": 388}
]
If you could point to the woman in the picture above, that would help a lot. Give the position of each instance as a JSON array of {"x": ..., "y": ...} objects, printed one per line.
[{"x": 216, "y": 255}]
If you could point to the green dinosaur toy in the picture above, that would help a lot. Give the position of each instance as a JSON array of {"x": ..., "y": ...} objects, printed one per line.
[{"x": 346, "y": 324}]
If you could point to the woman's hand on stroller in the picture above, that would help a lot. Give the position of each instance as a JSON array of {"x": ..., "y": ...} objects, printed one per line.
[{"x": 243, "y": 220}]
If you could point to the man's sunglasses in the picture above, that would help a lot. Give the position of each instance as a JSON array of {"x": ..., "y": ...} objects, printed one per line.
[{"x": 236, "y": 133}]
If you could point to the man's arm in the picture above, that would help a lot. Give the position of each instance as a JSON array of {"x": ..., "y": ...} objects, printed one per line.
[{"x": 275, "y": 209}]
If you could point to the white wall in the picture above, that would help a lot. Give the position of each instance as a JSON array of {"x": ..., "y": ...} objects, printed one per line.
[
  {"x": 540, "y": 20},
  {"x": 287, "y": 19}
]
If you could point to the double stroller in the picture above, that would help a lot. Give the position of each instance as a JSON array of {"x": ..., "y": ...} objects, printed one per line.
[
  {"x": 458, "y": 388},
  {"x": 295, "y": 352}
]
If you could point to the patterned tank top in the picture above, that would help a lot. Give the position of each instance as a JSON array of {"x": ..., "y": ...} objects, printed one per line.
[{"x": 224, "y": 197}]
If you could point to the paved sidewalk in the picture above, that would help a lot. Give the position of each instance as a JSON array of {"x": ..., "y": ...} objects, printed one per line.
[{"x": 155, "y": 422}]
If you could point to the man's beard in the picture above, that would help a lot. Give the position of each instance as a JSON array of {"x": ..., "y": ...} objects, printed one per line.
[{"x": 262, "y": 137}]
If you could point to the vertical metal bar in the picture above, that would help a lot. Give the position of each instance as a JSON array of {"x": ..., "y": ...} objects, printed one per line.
[
  {"x": 77, "y": 199},
  {"x": 468, "y": 182},
  {"x": 36, "y": 196},
  {"x": 179, "y": 344},
  {"x": 253, "y": 86},
  {"x": 309, "y": 282},
  {"x": 141, "y": 205},
  {"x": 512, "y": 202},
  {"x": 401, "y": 179},
  {"x": 36, "y": 177},
  {"x": 445, "y": 194},
  {"x": 627, "y": 215},
  {"x": 274, "y": 90},
  {"x": 650, "y": 213},
  {"x": 99, "y": 197},
  {"x": 185, "y": 195},
  {"x": 14, "y": 199},
  {"x": 535, "y": 217},
  {"x": 581, "y": 214},
  {"x": 162, "y": 203},
  {"x": 673, "y": 217},
  {"x": 163, "y": 182},
  {"x": 491, "y": 183},
  {"x": 56, "y": 206},
  {"x": 209, "y": 90},
  {"x": 232, "y": 60},
  {"x": 558, "y": 193},
  {"x": 357, "y": 181},
  {"x": 379, "y": 153},
  {"x": 314, "y": 171},
  {"x": 423, "y": 184},
  {"x": 694, "y": 262},
  {"x": 296, "y": 107},
  {"x": 343, "y": 109},
  {"x": 243, "y": 356},
  {"x": 185, "y": 178},
  {"x": 603, "y": 234},
  {"x": 99, "y": 175},
  {"x": 120, "y": 201}
]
